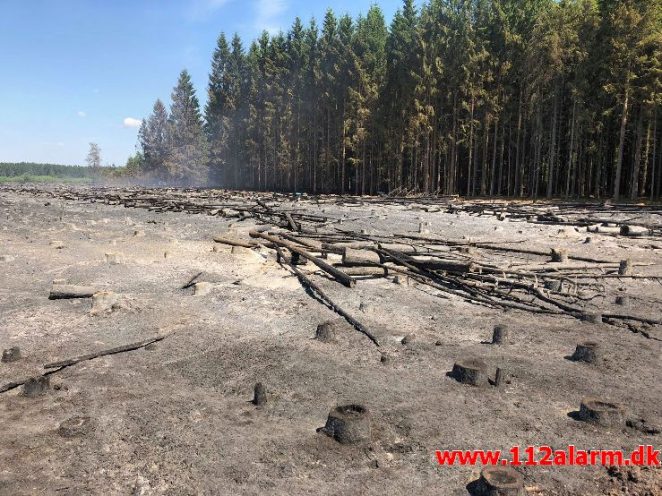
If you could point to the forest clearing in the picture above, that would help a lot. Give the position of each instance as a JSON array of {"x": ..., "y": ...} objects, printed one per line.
[{"x": 145, "y": 320}]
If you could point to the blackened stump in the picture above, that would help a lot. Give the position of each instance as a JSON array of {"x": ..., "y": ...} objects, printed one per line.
[
  {"x": 500, "y": 481},
  {"x": 76, "y": 427},
  {"x": 588, "y": 352},
  {"x": 622, "y": 300},
  {"x": 326, "y": 332},
  {"x": 349, "y": 424},
  {"x": 559, "y": 255},
  {"x": 592, "y": 317},
  {"x": 500, "y": 334},
  {"x": 259, "y": 394},
  {"x": 625, "y": 267},
  {"x": 470, "y": 371},
  {"x": 602, "y": 412},
  {"x": 36, "y": 386},
  {"x": 11, "y": 354}
]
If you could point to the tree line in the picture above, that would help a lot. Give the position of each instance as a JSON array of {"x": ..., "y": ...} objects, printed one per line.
[
  {"x": 520, "y": 98},
  {"x": 11, "y": 169}
]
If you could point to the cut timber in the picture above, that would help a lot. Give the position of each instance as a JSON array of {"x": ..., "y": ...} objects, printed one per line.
[
  {"x": 227, "y": 240},
  {"x": 69, "y": 291},
  {"x": 349, "y": 424},
  {"x": 630, "y": 230},
  {"x": 365, "y": 271},
  {"x": 500, "y": 481},
  {"x": 470, "y": 371},
  {"x": 360, "y": 257},
  {"x": 338, "y": 275},
  {"x": 602, "y": 412}
]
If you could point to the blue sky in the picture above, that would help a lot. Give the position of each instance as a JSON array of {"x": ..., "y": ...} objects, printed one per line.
[{"x": 79, "y": 71}]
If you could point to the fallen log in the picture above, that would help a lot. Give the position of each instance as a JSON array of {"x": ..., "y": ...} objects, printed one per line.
[
  {"x": 360, "y": 257},
  {"x": 70, "y": 291},
  {"x": 321, "y": 295},
  {"x": 233, "y": 241},
  {"x": 364, "y": 271},
  {"x": 111, "y": 351},
  {"x": 338, "y": 275}
]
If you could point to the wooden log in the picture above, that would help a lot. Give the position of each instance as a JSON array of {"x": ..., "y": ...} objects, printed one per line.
[
  {"x": 69, "y": 291},
  {"x": 366, "y": 271},
  {"x": 337, "y": 274},
  {"x": 631, "y": 230},
  {"x": 226, "y": 240},
  {"x": 355, "y": 257}
]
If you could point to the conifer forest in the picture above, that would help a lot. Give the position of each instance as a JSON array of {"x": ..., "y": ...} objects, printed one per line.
[{"x": 533, "y": 98}]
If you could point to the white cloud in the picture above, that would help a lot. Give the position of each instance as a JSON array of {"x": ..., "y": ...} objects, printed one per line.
[
  {"x": 200, "y": 9},
  {"x": 81, "y": 114},
  {"x": 267, "y": 13},
  {"x": 131, "y": 122}
]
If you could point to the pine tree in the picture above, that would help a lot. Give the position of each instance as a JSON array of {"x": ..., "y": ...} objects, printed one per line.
[
  {"x": 187, "y": 161},
  {"x": 154, "y": 143}
]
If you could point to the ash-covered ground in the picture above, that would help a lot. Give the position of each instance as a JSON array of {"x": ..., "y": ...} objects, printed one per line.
[{"x": 177, "y": 418}]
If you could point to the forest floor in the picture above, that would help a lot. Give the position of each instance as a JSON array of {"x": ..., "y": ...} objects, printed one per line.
[{"x": 176, "y": 418}]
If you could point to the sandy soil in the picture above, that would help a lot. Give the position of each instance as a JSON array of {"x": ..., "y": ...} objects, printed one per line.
[{"x": 176, "y": 419}]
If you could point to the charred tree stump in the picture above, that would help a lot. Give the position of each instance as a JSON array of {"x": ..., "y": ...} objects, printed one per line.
[
  {"x": 259, "y": 394},
  {"x": 11, "y": 355},
  {"x": 500, "y": 334},
  {"x": 625, "y": 267},
  {"x": 500, "y": 481},
  {"x": 470, "y": 371},
  {"x": 36, "y": 386},
  {"x": 349, "y": 424},
  {"x": 559, "y": 255},
  {"x": 588, "y": 352},
  {"x": 601, "y": 412},
  {"x": 326, "y": 332},
  {"x": 76, "y": 427}
]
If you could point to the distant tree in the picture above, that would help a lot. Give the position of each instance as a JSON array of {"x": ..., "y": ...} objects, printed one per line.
[
  {"x": 154, "y": 142},
  {"x": 187, "y": 161},
  {"x": 94, "y": 157},
  {"x": 134, "y": 165}
]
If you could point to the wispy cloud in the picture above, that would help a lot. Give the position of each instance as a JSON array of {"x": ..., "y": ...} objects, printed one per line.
[
  {"x": 267, "y": 13},
  {"x": 58, "y": 144},
  {"x": 199, "y": 9},
  {"x": 131, "y": 122},
  {"x": 80, "y": 113}
]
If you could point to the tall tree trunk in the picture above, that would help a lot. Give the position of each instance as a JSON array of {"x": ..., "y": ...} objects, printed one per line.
[{"x": 621, "y": 144}]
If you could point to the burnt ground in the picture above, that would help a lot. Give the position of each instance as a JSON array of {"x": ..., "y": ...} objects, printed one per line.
[{"x": 176, "y": 419}]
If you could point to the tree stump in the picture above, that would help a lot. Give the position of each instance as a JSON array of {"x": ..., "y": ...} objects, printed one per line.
[
  {"x": 592, "y": 317},
  {"x": 470, "y": 371},
  {"x": 76, "y": 427},
  {"x": 326, "y": 332},
  {"x": 11, "y": 355},
  {"x": 559, "y": 255},
  {"x": 622, "y": 300},
  {"x": 259, "y": 394},
  {"x": 500, "y": 481},
  {"x": 36, "y": 386},
  {"x": 500, "y": 334},
  {"x": 601, "y": 412},
  {"x": 588, "y": 352},
  {"x": 349, "y": 424},
  {"x": 553, "y": 286},
  {"x": 625, "y": 267}
]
